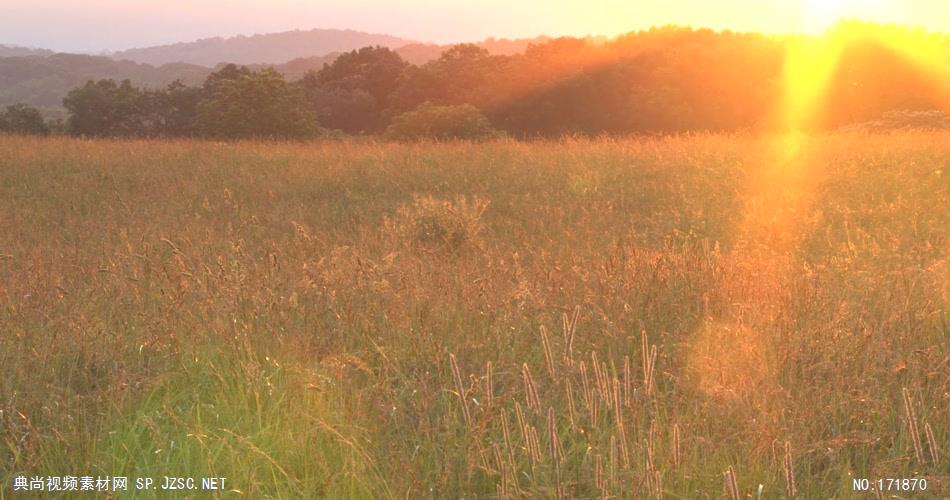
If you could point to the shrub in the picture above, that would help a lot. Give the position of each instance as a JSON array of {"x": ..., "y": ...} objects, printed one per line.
[
  {"x": 23, "y": 119},
  {"x": 430, "y": 121},
  {"x": 431, "y": 224}
]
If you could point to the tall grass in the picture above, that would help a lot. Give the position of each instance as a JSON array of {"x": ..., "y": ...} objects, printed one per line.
[{"x": 602, "y": 318}]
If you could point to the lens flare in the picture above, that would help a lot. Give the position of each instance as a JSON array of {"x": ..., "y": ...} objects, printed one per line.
[
  {"x": 729, "y": 356},
  {"x": 810, "y": 64}
]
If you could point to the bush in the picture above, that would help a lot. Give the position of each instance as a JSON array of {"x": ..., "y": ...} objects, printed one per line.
[
  {"x": 431, "y": 224},
  {"x": 23, "y": 119},
  {"x": 429, "y": 121}
]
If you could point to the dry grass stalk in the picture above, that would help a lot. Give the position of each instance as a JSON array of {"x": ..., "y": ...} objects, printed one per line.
[
  {"x": 598, "y": 376},
  {"x": 500, "y": 464},
  {"x": 676, "y": 445},
  {"x": 530, "y": 391},
  {"x": 730, "y": 485},
  {"x": 612, "y": 473},
  {"x": 790, "y": 489},
  {"x": 599, "y": 475},
  {"x": 569, "y": 328},
  {"x": 489, "y": 385},
  {"x": 653, "y": 352},
  {"x": 506, "y": 432},
  {"x": 548, "y": 356},
  {"x": 627, "y": 396},
  {"x": 523, "y": 425},
  {"x": 585, "y": 380},
  {"x": 513, "y": 482},
  {"x": 535, "y": 445},
  {"x": 912, "y": 425},
  {"x": 460, "y": 388},
  {"x": 655, "y": 484},
  {"x": 651, "y": 452},
  {"x": 644, "y": 349},
  {"x": 594, "y": 411},
  {"x": 595, "y": 366},
  {"x": 571, "y": 409},
  {"x": 554, "y": 448},
  {"x": 483, "y": 458},
  {"x": 932, "y": 443},
  {"x": 648, "y": 359},
  {"x": 618, "y": 414},
  {"x": 557, "y": 453},
  {"x": 606, "y": 394}
]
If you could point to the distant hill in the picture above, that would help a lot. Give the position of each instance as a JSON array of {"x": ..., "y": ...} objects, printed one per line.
[
  {"x": 44, "y": 81},
  {"x": 41, "y": 78},
  {"x": 14, "y": 51},
  {"x": 415, "y": 53},
  {"x": 273, "y": 48},
  {"x": 421, "y": 53},
  {"x": 301, "y": 48},
  {"x": 297, "y": 68}
]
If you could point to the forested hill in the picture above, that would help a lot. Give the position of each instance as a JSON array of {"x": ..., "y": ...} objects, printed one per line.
[
  {"x": 14, "y": 51},
  {"x": 42, "y": 78},
  {"x": 43, "y": 81},
  {"x": 271, "y": 48},
  {"x": 279, "y": 48},
  {"x": 663, "y": 80}
]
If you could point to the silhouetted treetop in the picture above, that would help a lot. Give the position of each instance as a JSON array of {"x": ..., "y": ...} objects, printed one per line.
[{"x": 662, "y": 80}]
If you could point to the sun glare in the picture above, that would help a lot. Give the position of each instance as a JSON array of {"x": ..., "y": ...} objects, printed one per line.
[
  {"x": 810, "y": 64},
  {"x": 781, "y": 189},
  {"x": 820, "y": 15}
]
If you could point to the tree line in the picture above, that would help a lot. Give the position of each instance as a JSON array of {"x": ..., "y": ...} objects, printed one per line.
[{"x": 664, "y": 80}]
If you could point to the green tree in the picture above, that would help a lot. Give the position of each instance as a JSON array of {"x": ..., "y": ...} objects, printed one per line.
[
  {"x": 227, "y": 73},
  {"x": 375, "y": 70},
  {"x": 255, "y": 105},
  {"x": 464, "y": 74},
  {"x": 105, "y": 108},
  {"x": 351, "y": 110},
  {"x": 351, "y": 93},
  {"x": 174, "y": 109},
  {"x": 23, "y": 119}
]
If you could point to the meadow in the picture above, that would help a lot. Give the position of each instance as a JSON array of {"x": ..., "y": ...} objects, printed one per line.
[{"x": 676, "y": 317}]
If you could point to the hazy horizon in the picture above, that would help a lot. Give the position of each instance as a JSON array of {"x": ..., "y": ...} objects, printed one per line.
[{"x": 101, "y": 26}]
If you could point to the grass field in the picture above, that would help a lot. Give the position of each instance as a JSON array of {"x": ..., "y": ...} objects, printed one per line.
[{"x": 581, "y": 318}]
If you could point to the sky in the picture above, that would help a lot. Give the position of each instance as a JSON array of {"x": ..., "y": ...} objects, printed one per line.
[{"x": 95, "y": 26}]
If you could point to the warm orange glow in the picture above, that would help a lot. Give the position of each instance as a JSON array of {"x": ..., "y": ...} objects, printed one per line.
[
  {"x": 811, "y": 62},
  {"x": 822, "y": 14},
  {"x": 728, "y": 361},
  {"x": 729, "y": 356},
  {"x": 69, "y": 25}
]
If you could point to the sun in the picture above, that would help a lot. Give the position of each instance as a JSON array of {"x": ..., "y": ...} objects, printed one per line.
[
  {"x": 819, "y": 15},
  {"x": 811, "y": 61},
  {"x": 824, "y": 11}
]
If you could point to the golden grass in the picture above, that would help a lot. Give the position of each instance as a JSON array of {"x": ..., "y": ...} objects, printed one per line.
[{"x": 362, "y": 319}]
